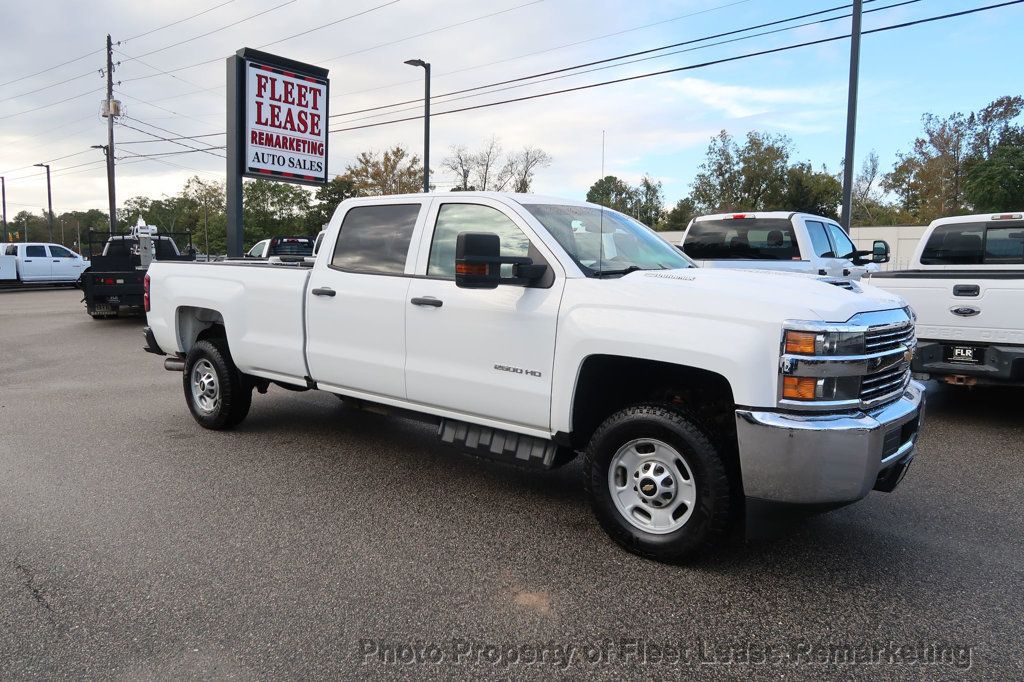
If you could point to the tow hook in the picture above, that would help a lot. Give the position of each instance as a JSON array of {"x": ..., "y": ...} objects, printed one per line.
[{"x": 174, "y": 364}]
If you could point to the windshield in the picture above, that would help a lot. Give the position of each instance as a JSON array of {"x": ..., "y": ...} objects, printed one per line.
[{"x": 603, "y": 242}]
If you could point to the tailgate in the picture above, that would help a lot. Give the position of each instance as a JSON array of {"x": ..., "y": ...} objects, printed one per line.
[{"x": 983, "y": 307}]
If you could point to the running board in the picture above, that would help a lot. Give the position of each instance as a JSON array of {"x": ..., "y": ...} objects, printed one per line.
[{"x": 503, "y": 446}]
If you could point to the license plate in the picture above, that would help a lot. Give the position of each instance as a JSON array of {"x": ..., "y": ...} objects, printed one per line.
[
  {"x": 113, "y": 299},
  {"x": 968, "y": 355}
]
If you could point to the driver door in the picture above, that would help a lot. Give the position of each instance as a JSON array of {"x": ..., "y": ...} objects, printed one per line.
[
  {"x": 482, "y": 352},
  {"x": 825, "y": 250}
]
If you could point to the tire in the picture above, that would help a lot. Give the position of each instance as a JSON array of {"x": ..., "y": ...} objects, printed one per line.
[
  {"x": 681, "y": 483},
  {"x": 218, "y": 395}
]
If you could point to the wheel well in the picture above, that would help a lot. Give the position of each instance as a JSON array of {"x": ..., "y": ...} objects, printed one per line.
[
  {"x": 609, "y": 383},
  {"x": 195, "y": 324}
]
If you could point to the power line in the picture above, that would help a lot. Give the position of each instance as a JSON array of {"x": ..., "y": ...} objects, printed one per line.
[
  {"x": 89, "y": 54},
  {"x": 169, "y": 139},
  {"x": 553, "y": 49},
  {"x": 51, "y": 104},
  {"x": 275, "y": 42},
  {"x": 642, "y": 52},
  {"x": 164, "y": 139},
  {"x": 162, "y": 108},
  {"x": 686, "y": 68},
  {"x": 184, "y": 151}
]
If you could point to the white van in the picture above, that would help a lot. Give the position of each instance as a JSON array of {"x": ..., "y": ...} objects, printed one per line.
[{"x": 44, "y": 262}]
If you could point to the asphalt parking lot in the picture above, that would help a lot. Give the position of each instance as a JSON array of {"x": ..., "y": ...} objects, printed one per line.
[{"x": 318, "y": 541}]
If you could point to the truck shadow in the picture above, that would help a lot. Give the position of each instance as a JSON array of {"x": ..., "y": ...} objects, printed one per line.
[{"x": 991, "y": 404}]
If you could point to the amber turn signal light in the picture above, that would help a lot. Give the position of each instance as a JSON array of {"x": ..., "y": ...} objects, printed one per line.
[
  {"x": 801, "y": 343},
  {"x": 799, "y": 388}
]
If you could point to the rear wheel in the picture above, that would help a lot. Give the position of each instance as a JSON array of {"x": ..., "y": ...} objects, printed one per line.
[
  {"x": 657, "y": 484},
  {"x": 218, "y": 395}
]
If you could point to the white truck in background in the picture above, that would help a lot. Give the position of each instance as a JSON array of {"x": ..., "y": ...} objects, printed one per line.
[
  {"x": 966, "y": 285},
  {"x": 40, "y": 263},
  {"x": 529, "y": 329},
  {"x": 779, "y": 240}
]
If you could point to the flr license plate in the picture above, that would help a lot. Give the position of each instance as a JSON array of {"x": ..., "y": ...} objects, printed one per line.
[
  {"x": 970, "y": 355},
  {"x": 113, "y": 299}
]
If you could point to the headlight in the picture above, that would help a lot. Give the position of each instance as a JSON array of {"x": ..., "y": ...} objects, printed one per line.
[
  {"x": 798, "y": 342},
  {"x": 820, "y": 388}
]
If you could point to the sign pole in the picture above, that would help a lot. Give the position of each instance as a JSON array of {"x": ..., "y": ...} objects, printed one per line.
[{"x": 235, "y": 151}]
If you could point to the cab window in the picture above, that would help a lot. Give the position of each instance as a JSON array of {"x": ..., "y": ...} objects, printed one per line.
[
  {"x": 742, "y": 239},
  {"x": 35, "y": 251},
  {"x": 455, "y": 218},
  {"x": 60, "y": 252},
  {"x": 844, "y": 248},
  {"x": 819, "y": 239},
  {"x": 375, "y": 239}
]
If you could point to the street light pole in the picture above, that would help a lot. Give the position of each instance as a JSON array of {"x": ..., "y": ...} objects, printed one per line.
[
  {"x": 851, "y": 115},
  {"x": 3, "y": 191},
  {"x": 49, "y": 198},
  {"x": 426, "y": 119}
]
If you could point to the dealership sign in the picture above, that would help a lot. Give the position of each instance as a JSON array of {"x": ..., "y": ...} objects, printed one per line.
[{"x": 284, "y": 116}]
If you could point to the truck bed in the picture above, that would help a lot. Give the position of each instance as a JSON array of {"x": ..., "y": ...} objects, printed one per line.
[{"x": 262, "y": 304}]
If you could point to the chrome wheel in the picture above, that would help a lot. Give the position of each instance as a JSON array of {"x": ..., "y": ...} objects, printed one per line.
[
  {"x": 652, "y": 485},
  {"x": 205, "y": 388}
]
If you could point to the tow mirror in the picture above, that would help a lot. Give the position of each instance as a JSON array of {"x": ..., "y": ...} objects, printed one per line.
[
  {"x": 478, "y": 262},
  {"x": 880, "y": 251}
]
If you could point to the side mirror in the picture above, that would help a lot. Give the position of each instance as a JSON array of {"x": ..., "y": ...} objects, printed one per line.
[
  {"x": 880, "y": 251},
  {"x": 478, "y": 262}
]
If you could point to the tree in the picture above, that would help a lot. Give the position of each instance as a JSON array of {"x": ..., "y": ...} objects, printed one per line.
[
  {"x": 997, "y": 183},
  {"x": 274, "y": 208},
  {"x": 648, "y": 202},
  {"x": 751, "y": 178},
  {"x": 328, "y": 196},
  {"x": 807, "y": 191},
  {"x": 612, "y": 192},
  {"x": 717, "y": 186},
  {"x": 485, "y": 170},
  {"x": 679, "y": 217},
  {"x": 395, "y": 171}
]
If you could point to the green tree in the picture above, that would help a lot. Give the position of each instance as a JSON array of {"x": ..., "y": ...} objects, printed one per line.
[
  {"x": 395, "y": 171},
  {"x": 274, "y": 208},
  {"x": 648, "y": 202},
  {"x": 752, "y": 177},
  {"x": 997, "y": 183},
  {"x": 679, "y": 217},
  {"x": 612, "y": 192},
  {"x": 808, "y": 191},
  {"x": 328, "y": 196}
]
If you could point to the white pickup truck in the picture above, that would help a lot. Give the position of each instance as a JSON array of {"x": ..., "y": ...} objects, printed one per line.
[
  {"x": 529, "y": 329},
  {"x": 779, "y": 240},
  {"x": 966, "y": 284}
]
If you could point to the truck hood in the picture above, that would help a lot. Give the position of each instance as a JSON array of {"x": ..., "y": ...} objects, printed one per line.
[{"x": 758, "y": 293}]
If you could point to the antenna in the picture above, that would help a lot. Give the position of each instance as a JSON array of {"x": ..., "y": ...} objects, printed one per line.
[{"x": 600, "y": 231}]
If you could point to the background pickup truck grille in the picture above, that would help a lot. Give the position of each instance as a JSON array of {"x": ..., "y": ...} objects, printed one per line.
[
  {"x": 889, "y": 382},
  {"x": 888, "y": 338}
]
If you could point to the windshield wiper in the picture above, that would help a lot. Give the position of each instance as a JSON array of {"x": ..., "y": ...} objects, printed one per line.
[{"x": 623, "y": 271}]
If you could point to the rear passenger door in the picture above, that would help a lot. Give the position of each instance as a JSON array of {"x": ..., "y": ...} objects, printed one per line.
[
  {"x": 35, "y": 265},
  {"x": 357, "y": 298}
]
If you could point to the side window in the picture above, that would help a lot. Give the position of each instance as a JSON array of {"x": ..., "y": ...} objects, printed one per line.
[
  {"x": 955, "y": 245},
  {"x": 60, "y": 252},
  {"x": 375, "y": 239},
  {"x": 819, "y": 239},
  {"x": 1004, "y": 245},
  {"x": 35, "y": 251},
  {"x": 12, "y": 250},
  {"x": 257, "y": 249},
  {"x": 844, "y": 247},
  {"x": 455, "y": 218}
]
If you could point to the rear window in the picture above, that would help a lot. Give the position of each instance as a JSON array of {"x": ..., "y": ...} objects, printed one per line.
[
  {"x": 165, "y": 248},
  {"x": 375, "y": 239},
  {"x": 291, "y": 246},
  {"x": 742, "y": 239},
  {"x": 975, "y": 244}
]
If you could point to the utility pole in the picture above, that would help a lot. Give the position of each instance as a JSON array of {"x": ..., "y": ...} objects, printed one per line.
[
  {"x": 851, "y": 115},
  {"x": 110, "y": 109},
  {"x": 49, "y": 199},
  {"x": 3, "y": 192}
]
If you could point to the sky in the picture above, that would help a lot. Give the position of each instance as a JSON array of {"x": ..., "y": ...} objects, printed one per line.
[{"x": 658, "y": 125}]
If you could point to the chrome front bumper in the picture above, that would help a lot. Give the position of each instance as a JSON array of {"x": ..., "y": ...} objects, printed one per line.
[{"x": 822, "y": 459}]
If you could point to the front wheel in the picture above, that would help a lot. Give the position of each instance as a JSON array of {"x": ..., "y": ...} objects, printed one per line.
[
  {"x": 218, "y": 395},
  {"x": 657, "y": 484}
]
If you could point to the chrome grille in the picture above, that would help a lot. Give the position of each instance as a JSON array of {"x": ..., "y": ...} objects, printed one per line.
[
  {"x": 889, "y": 337},
  {"x": 887, "y": 383}
]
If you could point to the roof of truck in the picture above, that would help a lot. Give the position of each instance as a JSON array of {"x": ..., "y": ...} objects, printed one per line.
[{"x": 518, "y": 197}]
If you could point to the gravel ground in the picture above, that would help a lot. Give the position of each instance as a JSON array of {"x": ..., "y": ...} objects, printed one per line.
[{"x": 317, "y": 541}]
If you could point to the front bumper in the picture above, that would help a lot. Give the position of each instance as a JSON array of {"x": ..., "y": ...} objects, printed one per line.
[{"x": 828, "y": 459}]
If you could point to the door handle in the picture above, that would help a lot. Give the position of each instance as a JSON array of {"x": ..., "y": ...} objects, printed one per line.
[
  {"x": 427, "y": 301},
  {"x": 28, "y": 260},
  {"x": 56, "y": 260},
  {"x": 966, "y": 290},
  {"x": 324, "y": 291}
]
